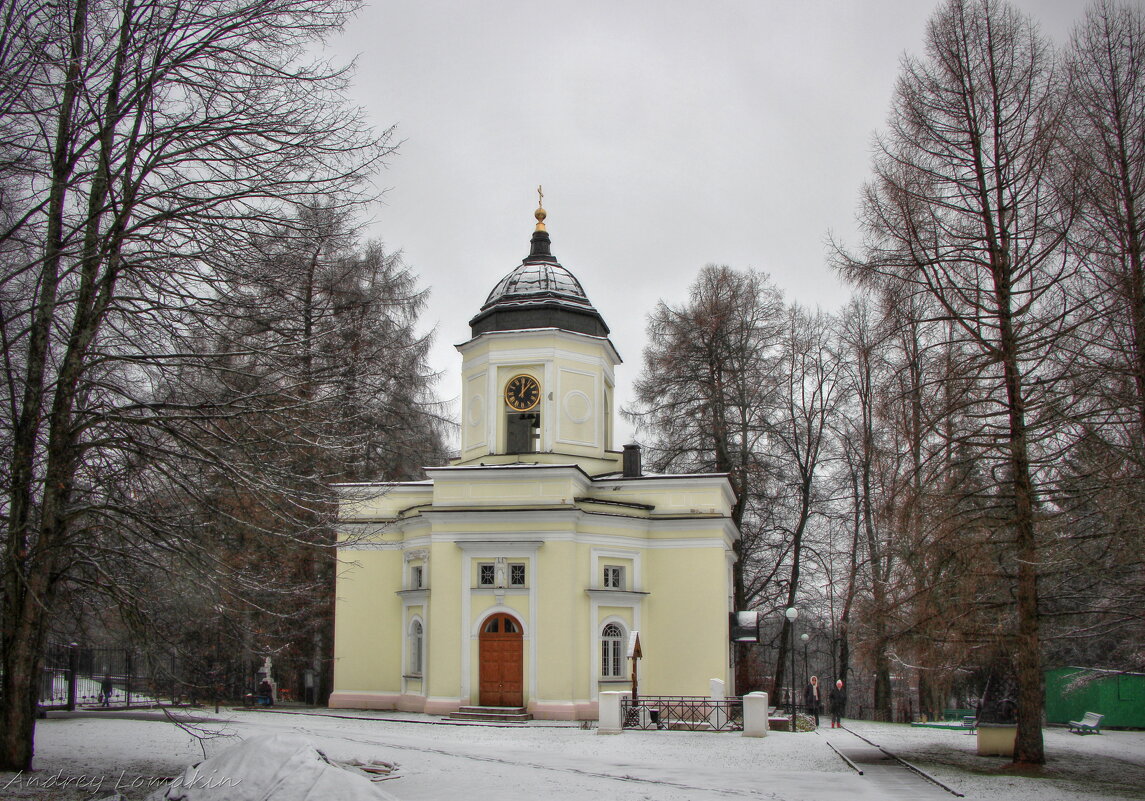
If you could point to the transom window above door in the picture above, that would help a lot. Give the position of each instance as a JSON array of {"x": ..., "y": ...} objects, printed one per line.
[{"x": 501, "y": 624}]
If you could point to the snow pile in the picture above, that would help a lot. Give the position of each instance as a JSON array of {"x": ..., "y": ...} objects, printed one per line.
[{"x": 283, "y": 767}]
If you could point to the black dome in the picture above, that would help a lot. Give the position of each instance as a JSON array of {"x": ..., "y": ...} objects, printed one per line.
[{"x": 540, "y": 293}]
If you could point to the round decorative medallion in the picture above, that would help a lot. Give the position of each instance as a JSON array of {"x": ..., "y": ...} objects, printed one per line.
[
  {"x": 476, "y": 410},
  {"x": 578, "y": 406}
]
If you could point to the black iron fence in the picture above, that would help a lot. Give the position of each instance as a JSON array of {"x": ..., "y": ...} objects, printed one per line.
[
  {"x": 76, "y": 676},
  {"x": 689, "y": 713}
]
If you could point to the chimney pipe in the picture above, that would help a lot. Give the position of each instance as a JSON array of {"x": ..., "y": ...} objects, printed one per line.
[{"x": 632, "y": 460}]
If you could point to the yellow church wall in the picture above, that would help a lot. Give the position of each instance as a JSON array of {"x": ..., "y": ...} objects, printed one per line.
[
  {"x": 474, "y": 413},
  {"x": 669, "y": 497},
  {"x": 378, "y": 502},
  {"x": 444, "y": 630},
  {"x": 623, "y": 613},
  {"x": 578, "y": 397},
  {"x": 575, "y": 417},
  {"x": 559, "y": 608},
  {"x": 583, "y": 682},
  {"x": 368, "y": 623},
  {"x": 507, "y": 490},
  {"x": 687, "y": 635},
  {"x": 536, "y": 346},
  {"x": 592, "y": 464}
]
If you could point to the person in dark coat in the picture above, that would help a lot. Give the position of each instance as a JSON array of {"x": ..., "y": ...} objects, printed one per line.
[
  {"x": 838, "y": 704},
  {"x": 105, "y": 689},
  {"x": 811, "y": 698}
]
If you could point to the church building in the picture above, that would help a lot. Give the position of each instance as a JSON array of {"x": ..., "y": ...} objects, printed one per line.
[{"x": 519, "y": 575}]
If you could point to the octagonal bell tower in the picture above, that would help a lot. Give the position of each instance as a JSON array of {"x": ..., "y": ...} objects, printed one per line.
[{"x": 537, "y": 374}]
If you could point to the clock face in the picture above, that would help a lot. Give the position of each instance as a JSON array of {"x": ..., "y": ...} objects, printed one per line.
[{"x": 522, "y": 393}]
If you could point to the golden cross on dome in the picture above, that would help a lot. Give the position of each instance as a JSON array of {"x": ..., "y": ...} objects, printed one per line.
[{"x": 540, "y": 212}]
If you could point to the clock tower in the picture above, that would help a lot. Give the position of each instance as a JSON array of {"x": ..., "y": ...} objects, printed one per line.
[
  {"x": 537, "y": 374},
  {"x": 513, "y": 577}
]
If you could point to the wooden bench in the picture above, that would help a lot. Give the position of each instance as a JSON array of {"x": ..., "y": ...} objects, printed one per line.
[
  {"x": 970, "y": 723},
  {"x": 1090, "y": 723}
]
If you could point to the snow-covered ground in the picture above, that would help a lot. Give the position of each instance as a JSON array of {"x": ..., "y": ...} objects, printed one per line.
[
  {"x": 103, "y": 752},
  {"x": 1110, "y": 765}
]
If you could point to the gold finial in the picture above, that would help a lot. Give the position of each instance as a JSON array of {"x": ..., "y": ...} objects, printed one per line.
[{"x": 540, "y": 212}]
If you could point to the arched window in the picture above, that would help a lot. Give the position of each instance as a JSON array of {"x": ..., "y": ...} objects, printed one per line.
[
  {"x": 612, "y": 652},
  {"x": 416, "y": 647}
]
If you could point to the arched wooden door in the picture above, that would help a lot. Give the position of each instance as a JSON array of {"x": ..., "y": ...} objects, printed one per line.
[{"x": 502, "y": 672}]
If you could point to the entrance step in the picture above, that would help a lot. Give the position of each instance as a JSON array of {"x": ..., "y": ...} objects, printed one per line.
[{"x": 498, "y": 714}]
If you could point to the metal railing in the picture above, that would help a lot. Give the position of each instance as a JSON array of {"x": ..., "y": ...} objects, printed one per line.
[
  {"x": 682, "y": 712},
  {"x": 74, "y": 676}
]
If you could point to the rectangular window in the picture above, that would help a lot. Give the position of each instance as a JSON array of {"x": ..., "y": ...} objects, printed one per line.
[
  {"x": 523, "y": 433},
  {"x": 416, "y": 577},
  {"x": 613, "y": 577},
  {"x": 416, "y": 648},
  {"x": 516, "y": 575},
  {"x": 486, "y": 576},
  {"x": 616, "y": 668}
]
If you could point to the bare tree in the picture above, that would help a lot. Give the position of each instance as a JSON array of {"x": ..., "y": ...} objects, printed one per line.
[
  {"x": 963, "y": 209},
  {"x": 798, "y": 444},
  {"x": 861, "y": 355},
  {"x": 152, "y": 142},
  {"x": 736, "y": 382},
  {"x": 1106, "y": 139},
  {"x": 328, "y": 330},
  {"x": 1102, "y": 480},
  {"x": 704, "y": 393}
]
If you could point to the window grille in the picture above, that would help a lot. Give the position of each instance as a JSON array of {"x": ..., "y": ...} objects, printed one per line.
[
  {"x": 486, "y": 575},
  {"x": 613, "y": 577}
]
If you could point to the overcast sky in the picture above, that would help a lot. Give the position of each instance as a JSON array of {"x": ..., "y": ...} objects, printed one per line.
[{"x": 668, "y": 135}]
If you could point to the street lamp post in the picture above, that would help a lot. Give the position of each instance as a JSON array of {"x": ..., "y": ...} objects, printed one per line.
[
  {"x": 792, "y": 613},
  {"x": 806, "y": 673}
]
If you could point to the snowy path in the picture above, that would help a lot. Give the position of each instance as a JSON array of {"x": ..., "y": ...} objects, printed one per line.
[
  {"x": 895, "y": 780},
  {"x": 497, "y": 763},
  {"x": 443, "y": 762}
]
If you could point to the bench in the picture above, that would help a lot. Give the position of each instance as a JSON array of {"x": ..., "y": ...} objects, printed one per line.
[
  {"x": 970, "y": 723},
  {"x": 1090, "y": 723}
]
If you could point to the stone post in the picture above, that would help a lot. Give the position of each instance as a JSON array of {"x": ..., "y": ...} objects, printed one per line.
[
  {"x": 610, "y": 713},
  {"x": 755, "y": 715}
]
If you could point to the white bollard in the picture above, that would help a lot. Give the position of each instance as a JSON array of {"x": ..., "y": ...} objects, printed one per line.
[
  {"x": 718, "y": 717},
  {"x": 610, "y": 712},
  {"x": 755, "y": 715}
]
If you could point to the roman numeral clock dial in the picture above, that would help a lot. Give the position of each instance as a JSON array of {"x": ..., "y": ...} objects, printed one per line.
[{"x": 522, "y": 393}]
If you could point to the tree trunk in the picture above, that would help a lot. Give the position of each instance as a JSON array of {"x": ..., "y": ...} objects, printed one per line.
[{"x": 1029, "y": 747}]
